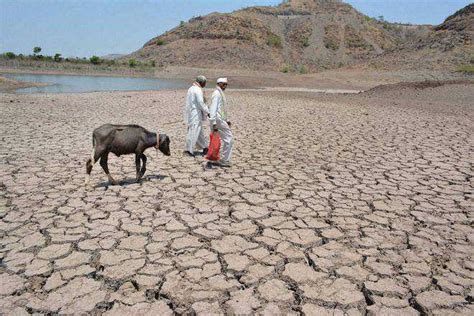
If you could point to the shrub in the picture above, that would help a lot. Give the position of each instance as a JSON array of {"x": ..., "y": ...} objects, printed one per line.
[
  {"x": 274, "y": 41},
  {"x": 285, "y": 69},
  {"x": 57, "y": 57},
  {"x": 306, "y": 42},
  {"x": 95, "y": 60},
  {"x": 153, "y": 63},
  {"x": 466, "y": 69},
  {"x": 132, "y": 62},
  {"x": 302, "y": 69},
  {"x": 331, "y": 44},
  {"x": 10, "y": 55},
  {"x": 160, "y": 42}
]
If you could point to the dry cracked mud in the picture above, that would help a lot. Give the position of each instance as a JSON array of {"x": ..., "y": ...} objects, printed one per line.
[{"x": 335, "y": 205}]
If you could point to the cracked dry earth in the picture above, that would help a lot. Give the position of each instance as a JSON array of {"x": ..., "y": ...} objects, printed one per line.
[{"x": 335, "y": 205}]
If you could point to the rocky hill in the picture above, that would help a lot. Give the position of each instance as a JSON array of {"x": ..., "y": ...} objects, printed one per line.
[
  {"x": 297, "y": 35},
  {"x": 445, "y": 46}
]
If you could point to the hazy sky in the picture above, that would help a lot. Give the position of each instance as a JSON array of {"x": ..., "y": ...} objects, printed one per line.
[{"x": 100, "y": 27}]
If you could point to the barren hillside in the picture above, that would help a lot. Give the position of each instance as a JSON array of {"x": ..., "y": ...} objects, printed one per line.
[
  {"x": 445, "y": 46},
  {"x": 300, "y": 35}
]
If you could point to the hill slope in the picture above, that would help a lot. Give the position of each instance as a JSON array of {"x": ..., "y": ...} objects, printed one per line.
[
  {"x": 443, "y": 47},
  {"x": 297, "y": 35}
]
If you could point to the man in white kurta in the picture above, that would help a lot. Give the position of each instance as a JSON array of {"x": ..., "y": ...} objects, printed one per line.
[
  {"x": 219, "y": 120},
  {"x": 196, "y": 112}
]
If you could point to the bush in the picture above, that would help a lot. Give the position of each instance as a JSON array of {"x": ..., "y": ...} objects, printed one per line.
[
  {"x": 466, "y": 69},
  {"x": 10, "y": 55},
  {"x": 306, "y": 42},
  {"x": 302, "y": 69},
  {"x": 153, "y": 63},
  {"x": 331, "y": 44},
  {"x": 286, "y": 69},
  {"x": 57, "y": 57},
  {"x": 132, "y": 62},
  {"x": 95, "y": 60},
  {"x": 160, "y": 42},
  {"x": 274, "y": 41}
]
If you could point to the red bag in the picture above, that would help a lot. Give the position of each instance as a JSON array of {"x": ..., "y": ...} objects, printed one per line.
[{"x": 214, "y": 147}]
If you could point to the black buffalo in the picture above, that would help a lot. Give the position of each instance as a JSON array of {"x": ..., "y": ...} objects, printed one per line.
[{"x": 124, "y": 140}]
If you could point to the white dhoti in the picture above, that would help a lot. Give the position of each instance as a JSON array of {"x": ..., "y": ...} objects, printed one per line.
[
  {"x": 196, "y": 137},
  {"x": 195, "y": 112},
  {"x": 227, "y": 139}
]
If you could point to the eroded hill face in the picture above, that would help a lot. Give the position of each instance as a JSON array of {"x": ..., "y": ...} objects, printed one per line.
[
  {"x": 443, "y": 47},
  {"x": 298, "y": 35}
]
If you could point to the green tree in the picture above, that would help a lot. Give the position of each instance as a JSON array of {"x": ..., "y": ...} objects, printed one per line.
[
  {"x": 57, "y": 57},
  {"x": 36, "y": 50},
  {"x": 10, "y": 55},
  {"x": 95, "y": 60},
  {"x": 132, "y": 62}
]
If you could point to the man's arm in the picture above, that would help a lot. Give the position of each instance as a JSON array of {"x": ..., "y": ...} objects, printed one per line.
[
  {"x": 200, "y": 102},
  {"x": 213, "y": 109}
]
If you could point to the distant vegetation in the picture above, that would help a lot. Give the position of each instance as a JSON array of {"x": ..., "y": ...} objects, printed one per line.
[
  {"x": 37, "y": 60},
  {"x": 274, "y": 40},
  {"x": 301, "y": 69},
  {"x": 466, "y": 69}
]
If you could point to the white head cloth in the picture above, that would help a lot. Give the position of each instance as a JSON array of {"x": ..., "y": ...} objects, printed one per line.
[{"x": 222, "y": 80}]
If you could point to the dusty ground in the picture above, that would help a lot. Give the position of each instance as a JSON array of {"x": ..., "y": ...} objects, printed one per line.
[{"x": 357, "y": 203}]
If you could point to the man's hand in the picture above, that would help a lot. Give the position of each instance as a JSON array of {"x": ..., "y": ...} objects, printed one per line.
[
  {"x": 229, "y": 123},
  {"x": 214, "y": 128}
]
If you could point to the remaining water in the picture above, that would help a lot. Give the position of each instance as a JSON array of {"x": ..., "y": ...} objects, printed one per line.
[{"x": 74, "y": 84}]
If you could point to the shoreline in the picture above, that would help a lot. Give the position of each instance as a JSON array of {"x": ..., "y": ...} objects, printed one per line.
[
  {"x": 11, "y": 86},
  {"x": 341, "y": 79},
  {"x": 69, "y": 73}
]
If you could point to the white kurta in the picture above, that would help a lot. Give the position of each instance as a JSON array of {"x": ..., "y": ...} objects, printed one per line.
[
  {"x": 195, "y": 112},
  {"x": 220, "y": 117}
]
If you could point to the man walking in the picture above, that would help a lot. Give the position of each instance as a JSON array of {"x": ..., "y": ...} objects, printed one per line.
[
  {"x": 219, "y": 120},
  {"x": 196, "y": 112}
]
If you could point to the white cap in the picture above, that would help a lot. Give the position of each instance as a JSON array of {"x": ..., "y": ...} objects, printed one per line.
[{"x": 222, "y": 80}]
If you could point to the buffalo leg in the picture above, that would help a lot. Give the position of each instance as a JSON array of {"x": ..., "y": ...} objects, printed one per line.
[
  {"x": 104, "y": 165},
  {"x": 95, "y": 155},
  {"x": 137, "y": 165},
  {"x": 142, "y": 172}
]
